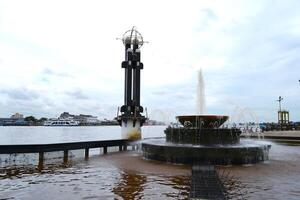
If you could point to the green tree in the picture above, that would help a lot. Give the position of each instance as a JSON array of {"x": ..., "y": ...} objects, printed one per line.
[
  {"x": 30, "y": 119},
  {"x": 42, "y": 119}
]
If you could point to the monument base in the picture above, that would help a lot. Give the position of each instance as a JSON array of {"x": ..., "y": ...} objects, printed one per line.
[{"x": 131, "y": 131}]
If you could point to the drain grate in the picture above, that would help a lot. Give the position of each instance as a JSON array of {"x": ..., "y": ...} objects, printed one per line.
[{"x": 205, "y": 183}]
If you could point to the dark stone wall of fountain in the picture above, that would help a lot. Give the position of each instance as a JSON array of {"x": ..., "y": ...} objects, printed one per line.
[
  {"x": 208, "y": 155},
  {"x": 200, "y": 140},
  {"x": 203, "y": 136}
]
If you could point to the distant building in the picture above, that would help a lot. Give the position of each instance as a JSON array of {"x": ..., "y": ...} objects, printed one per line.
[
  {"x": 16, "y": 119},
  {"x": 17, "y": 116},
  {"x": 82, "y": 119},
  {"x": 87, "y": 119},
  {"x": 107, "y": 122},
  {"x": 13, "y": 122},
  {"x": 155, "y": 123},
  {"x": 65, "y": 115},
  {"x": 283, "y": 117}
]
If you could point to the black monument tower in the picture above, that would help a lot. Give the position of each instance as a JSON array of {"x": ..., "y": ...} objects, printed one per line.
[{"x": 131, "y": 111}]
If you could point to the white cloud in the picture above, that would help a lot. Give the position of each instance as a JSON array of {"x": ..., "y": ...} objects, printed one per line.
[{"x": 67, "y": 50}]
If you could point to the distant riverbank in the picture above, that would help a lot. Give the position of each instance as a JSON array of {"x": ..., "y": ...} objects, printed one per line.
[{"x": 60, "y": 134}]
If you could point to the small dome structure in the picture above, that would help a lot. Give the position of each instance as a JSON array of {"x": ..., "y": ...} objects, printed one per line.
[{"x": 133, "y": 37}]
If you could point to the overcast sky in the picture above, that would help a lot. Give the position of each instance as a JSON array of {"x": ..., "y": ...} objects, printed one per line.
[{"x": 60, "y": 56}]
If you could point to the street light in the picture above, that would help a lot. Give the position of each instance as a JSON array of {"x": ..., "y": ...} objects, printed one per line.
[{"x": 279, "y": 101}]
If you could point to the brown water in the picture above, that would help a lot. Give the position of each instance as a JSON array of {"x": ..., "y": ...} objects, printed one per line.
[
  {"x": 115, "y": 176},
  {"x": 278, "y": 178},
  {"x": 127, "y": 175}
]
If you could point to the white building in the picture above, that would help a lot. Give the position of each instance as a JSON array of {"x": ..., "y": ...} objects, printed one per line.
[{"x": 17, "y": 116}]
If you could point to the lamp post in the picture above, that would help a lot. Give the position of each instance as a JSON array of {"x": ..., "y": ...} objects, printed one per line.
[{"x": 279, "y": 101}]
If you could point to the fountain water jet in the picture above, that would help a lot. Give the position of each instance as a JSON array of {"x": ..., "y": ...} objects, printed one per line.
[
  {"x": 201, "y": 140},
  {"x": 200, "y": 100}
]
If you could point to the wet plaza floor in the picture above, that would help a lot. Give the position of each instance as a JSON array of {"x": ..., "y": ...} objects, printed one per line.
[
  {"x": 126, "y": 175},
  {"x": 116, "y": 176}
]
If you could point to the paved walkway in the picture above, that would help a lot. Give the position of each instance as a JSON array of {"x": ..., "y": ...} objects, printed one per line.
[
  {"x": 281, "y": 136},
  {"x": 294, "y": 134}
]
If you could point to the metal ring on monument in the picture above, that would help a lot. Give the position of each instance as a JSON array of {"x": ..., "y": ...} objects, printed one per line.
[{"x": 133, "y": 37}]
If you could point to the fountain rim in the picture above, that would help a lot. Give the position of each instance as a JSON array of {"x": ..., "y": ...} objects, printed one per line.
[
  {"x": 220, "y": 119},
  {"x": 203, "y": 115}
]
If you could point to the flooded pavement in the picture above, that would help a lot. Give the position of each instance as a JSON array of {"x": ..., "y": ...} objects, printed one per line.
[
  {"x": 277, "y": 178},
  {"x": 115, "y": 176},
  {"x": 126, "y": 175}
]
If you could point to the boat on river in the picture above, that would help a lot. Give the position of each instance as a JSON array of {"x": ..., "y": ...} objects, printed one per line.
[{"x": 61, "y": 122}]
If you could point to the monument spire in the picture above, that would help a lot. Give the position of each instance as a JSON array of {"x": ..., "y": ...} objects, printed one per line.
[{"x": 131, "y": 118}]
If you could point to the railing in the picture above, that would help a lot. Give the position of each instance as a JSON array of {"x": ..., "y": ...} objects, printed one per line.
[{"x": 65, "y": 147}]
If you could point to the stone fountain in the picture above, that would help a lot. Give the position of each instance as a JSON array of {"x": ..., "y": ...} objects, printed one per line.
[{"x": 200, "y": 139}]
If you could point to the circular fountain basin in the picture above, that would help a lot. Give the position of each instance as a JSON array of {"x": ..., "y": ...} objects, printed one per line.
[
  {"x": 203, "y": 121},
  {"x": 205, "y": 136},
  {"x": 246, "y": 152}
]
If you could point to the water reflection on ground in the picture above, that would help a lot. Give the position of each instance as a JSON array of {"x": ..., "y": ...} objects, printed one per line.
[
  {"x": 142, "y": 186},
  {"x": 131, "y": 185},
  {"x": 277, "y": 178},
  {"x": 127, "y": 175},
  {"x": 101, "y": 177}
]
